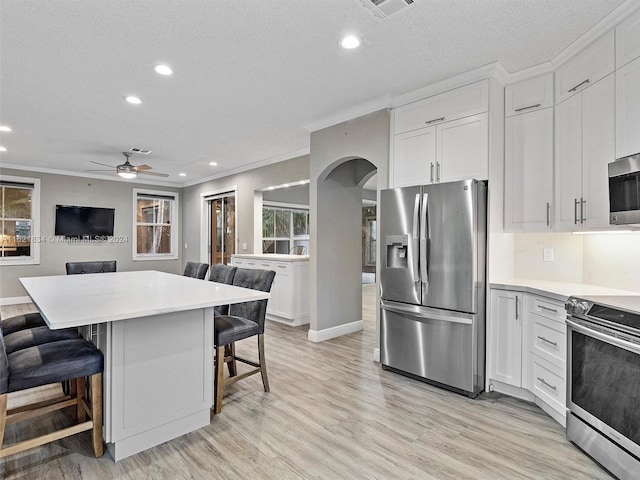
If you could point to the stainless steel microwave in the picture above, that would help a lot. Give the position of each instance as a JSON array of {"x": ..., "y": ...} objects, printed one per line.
[{"x": 624, "y": 191}]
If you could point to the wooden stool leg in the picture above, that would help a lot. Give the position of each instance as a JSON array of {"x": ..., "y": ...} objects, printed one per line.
[
  {"x": 230, "y": 351},
  {"x": 72, "y": 387},
  {"x": 96, "y": 414},
  {"x": 3, "y": 416},
  {"x": 81, "y": 414},
  {"x": 263, "y": 362},
  {"x": 219, "y": 380}
]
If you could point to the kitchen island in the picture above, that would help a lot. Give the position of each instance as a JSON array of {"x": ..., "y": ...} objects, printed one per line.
[
  {"x": 155, "y": 331},
  {"x": 289, "y": 302}
]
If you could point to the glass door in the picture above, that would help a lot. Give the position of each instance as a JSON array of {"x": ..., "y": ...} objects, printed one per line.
[{"x": 222, "y": 232}]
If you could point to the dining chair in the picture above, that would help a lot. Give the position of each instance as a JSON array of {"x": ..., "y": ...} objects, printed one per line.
[
  {"x": 75, "y": 268},
  {"x": 196, "y": 270},
  {"x": 222, "y": 273},
  {"x": 73, "y": 360},
  {"x": 21, "y": 322},
  {"x": 244, "y": 320}
]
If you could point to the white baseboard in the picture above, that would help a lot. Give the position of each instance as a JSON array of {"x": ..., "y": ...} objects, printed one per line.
[
  {"x": 333, "y": 332},
  {"x": 14, "y": 300},
  {"x": 376, "y": 355}
]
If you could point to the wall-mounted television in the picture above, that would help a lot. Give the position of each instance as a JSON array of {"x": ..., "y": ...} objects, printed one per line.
[{"x": 84, "y": 222}]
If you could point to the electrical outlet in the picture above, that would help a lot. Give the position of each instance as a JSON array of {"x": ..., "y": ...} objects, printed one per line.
[
  {"x": 244, "y": 247},
  {"x": 547, "y": 254}
]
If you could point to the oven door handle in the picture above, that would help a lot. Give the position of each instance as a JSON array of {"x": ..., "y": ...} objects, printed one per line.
[{"x": 618, "y": 342}]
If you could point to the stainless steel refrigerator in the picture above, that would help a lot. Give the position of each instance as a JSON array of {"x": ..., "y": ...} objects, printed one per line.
[{"x": 432, "y": 283}]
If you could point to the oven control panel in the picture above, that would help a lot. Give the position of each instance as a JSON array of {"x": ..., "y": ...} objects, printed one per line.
[{"x": 573, "y": 306}]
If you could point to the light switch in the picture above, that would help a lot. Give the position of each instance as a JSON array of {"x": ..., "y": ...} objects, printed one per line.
[
  {"x": 244, "y": 247},
  {"x": 547, "y": 254}
]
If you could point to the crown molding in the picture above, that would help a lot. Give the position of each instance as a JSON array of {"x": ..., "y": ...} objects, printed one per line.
[
  {"x": 535, "y": 71},
  {"x": 250, "y": 166},
  {"x": 349, "y": 114},
  {"x": 595, "y": 32},
  {"x": 71, "y": 173}
]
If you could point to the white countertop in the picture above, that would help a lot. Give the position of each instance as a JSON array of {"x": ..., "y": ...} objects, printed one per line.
[
  {"x": 278, "y": 257},
  {"x": 560, "y": 291},
  {"x": 76, "y": 300}
]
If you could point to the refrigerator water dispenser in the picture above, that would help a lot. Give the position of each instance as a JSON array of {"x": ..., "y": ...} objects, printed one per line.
[{"x": 397, "y": 251}]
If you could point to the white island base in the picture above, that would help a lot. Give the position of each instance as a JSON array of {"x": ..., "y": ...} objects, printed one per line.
[{"x": 160, "y": 378}]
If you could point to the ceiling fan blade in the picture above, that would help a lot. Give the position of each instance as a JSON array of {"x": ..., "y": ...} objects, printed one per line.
[
  {"x": 154, "y": 173},
  {"x": 142, "y": 167},
  {"x": 101, "y": 170},
  {"x": 103, "y": 164}
]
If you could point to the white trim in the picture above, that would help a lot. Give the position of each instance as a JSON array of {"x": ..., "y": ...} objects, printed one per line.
[
  {"x": 250, "y": 166},
  {"x": 333, "y": 332},
  {"x": 75, "y": 173},
  {"x": 350, "y": 114},
  {"x": 376, "y": 355},
  {"x": 290, "y": 206},
  {"x": 175, "y": 226},
  {"x": 603, "y": 26},
  {"x": 14, "y": 300},
  {"x": 34, "y": 258},
  {"x": 205, "y": 197},
  {"x": 527, "y": 73}
]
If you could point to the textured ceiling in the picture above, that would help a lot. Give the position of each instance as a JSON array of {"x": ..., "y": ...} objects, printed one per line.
[{"x": 248, "y": 74}]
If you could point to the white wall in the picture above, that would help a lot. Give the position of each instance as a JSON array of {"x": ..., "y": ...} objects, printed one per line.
[
  {"x": 609, "y": 260},
  {"x": 88, "y": 192}
]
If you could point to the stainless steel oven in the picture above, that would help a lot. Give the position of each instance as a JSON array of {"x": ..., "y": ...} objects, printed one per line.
[
  {"x": 624, "y": 191},
  {"x": 603, "y": 380}
]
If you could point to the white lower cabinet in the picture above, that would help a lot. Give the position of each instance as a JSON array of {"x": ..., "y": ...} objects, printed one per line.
[
  {"x": 527, "y": 349},
  {"x": 289, "y": 302}
]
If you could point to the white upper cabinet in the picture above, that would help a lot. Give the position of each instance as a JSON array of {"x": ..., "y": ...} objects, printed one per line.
[
  {"x": 415, "y": 157},
  {"x": 628, "y": 40},
  {"x": 462, "y": 149},
  {"x": 457, "y": 103},
  {"x": 585, "y": 144},
  {"x": 528, "y": 171},
  {"x": 587, "y": 67},
  {"x": 529, "y": 95},
  {"x": 628, "y": 109},
  {"x": 442, "y": 138}
]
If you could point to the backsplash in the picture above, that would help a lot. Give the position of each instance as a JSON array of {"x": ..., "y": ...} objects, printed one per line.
[{"x": 599, "y": 259}]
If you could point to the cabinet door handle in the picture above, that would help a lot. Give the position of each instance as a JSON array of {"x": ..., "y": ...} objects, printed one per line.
[
  {"x": 438, "y": 172},
  {"x": 281, "y": 266},
  {"x": 555, "y": 344},
  {"x": 583, "y": 210},
  {"x": 527, "y": 108},
  {"x": 548, "y": 214},
  {"x": 431, "y": 172},
  {"x": 548, "y": 309},
  {"x": 434, "y": 120},
  {"x": 541, "y": 380},
  {"x": 517, "y": 314},
  {"x": 575, "y": 211},
  {"x": 265, "y": 264},
  {"x": 584, "y": 82}
]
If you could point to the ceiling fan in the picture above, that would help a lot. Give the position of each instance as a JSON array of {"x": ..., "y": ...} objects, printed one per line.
[{"x": 126, "y": 170}]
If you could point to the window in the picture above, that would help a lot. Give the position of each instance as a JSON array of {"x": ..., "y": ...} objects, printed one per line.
[
  {"x": 284, "y": 230},
  {"x": 19, "y": 220},
  {"x": 155, "y": 225}
]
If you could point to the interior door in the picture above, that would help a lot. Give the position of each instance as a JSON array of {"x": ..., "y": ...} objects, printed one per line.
[
  {"x": 222, "y": 234},
  {"x": 449, "y": 266}
]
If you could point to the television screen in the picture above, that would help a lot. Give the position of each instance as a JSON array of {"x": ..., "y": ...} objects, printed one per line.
[{"x": 81, "y": 222}]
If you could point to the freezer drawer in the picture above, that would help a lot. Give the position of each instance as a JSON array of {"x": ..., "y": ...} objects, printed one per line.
[{"x": 436, "y": 345}]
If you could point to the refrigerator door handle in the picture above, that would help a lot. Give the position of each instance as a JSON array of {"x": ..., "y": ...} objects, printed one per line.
[
  {"x": 414, "y": 238},
  {"x": 428, "y": 313},
  {"x": 424, "y": 235}
]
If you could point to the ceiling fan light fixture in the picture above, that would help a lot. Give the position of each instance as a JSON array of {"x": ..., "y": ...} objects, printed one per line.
[{"x": 128, "y": 175}]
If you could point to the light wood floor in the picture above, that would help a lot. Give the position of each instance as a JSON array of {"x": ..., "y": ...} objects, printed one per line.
[{"x": 332, "y": 413}]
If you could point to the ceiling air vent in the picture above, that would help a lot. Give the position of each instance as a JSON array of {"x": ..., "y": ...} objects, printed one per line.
[
  {"x": 140, "y": 150},
  {"x": 381, "y": 9}
]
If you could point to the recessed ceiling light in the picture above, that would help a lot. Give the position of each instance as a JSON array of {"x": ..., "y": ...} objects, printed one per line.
[
  {"x": 303, "y": 182},
  {"x": 270, "y": 188},
  {"x": 182, "y": 174},
  {"x": 286, "y": 185},
  {"x": 133, "y": 99},
  {"x": 163, "y": 70},
  {"x": 2, "y": 149},
  {"x": 349, "y": 42},
  {"x": 213, "y": 164},
  {"x": 4, "y": 128}
]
